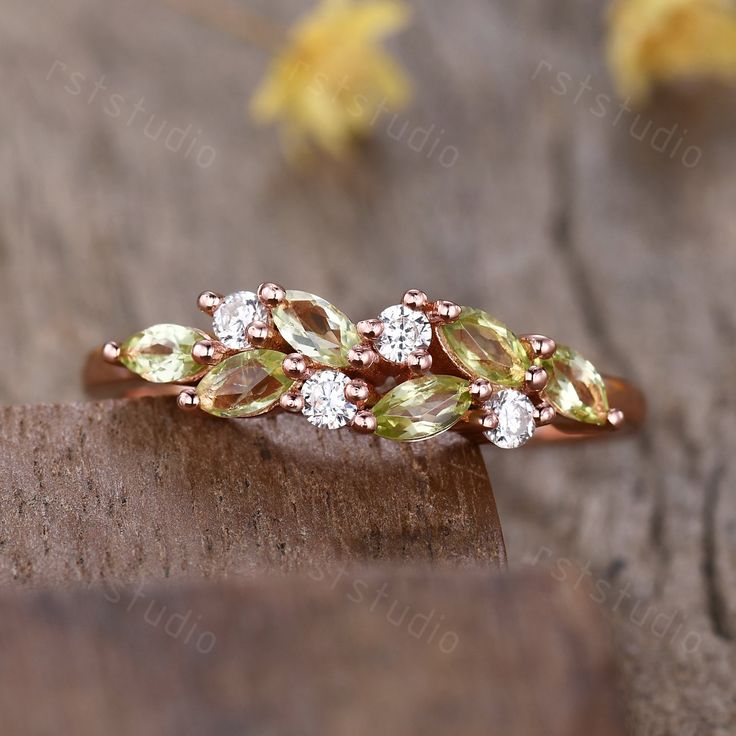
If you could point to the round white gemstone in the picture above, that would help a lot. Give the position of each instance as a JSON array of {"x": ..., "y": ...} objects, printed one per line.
[
  {"x": 325, "y": 404},
  {"x": 232, "y": 317},
  {"x": 515, "y": 414},
  {"x": 404, "y": 331}
]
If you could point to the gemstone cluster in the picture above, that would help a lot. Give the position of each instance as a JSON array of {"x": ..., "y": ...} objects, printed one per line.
[{"x": 419, "y": 369}]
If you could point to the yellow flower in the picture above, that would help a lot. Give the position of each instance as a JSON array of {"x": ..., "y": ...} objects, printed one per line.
[
  {"x": 653, "y": 41},
  {"x": 333, "y": 79}
]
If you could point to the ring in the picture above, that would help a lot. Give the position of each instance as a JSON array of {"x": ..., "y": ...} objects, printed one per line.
[{"x": 419, "y": 369}]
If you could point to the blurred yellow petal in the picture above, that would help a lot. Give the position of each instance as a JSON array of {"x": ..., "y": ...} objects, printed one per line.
[
  {"x": 652, "y": 41},
  {"x": 332, "y": 77}
]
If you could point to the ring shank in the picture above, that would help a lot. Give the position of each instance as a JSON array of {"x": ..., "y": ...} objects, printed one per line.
[{"x": 103, "y": 380}]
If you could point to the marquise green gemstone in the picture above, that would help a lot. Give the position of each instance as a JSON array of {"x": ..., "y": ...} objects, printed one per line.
[
  {"x": 162, "y": 353},
  {"x": 485, "y": 348},
  {"x": 316, "y": 328},
  {"x": 244, "y": 385},
  {"x": 421, "y": 408},
  {"x": 576, "y": 388}
]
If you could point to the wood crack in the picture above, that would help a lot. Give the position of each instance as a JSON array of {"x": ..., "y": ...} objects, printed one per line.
[{"x": 715, "y": 599}]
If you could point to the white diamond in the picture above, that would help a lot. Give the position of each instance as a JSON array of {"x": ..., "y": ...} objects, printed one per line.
[
  {"x": 404, "y": 331},
  {"x": 325, "y": 404},
  {"x": 515, "y": 414},
  {"x": 232, "y": 317}
]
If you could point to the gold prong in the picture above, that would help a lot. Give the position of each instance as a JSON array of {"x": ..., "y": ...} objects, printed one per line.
[
  {"x": 187, "y": 400},
  {"x": 111, "y": 352},
  {"x": 271, "y": 294},
  {"x": 208, "y": 352},
  {"x": 209, "y": 301},
  {"x": 615, "y": 418},
  {"x": 419, "y": 361},
  {"x": 536, "y": 379},
  {"x": 538, "y": 346},
  {"x": 364, "y": 422}
]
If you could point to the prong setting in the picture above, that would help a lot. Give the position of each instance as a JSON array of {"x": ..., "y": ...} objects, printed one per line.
[
  {"x": 187, "y": 400},
  {"x": 271, "y": 294},
  {"x": 370, "y": 329},
  {"x": 209, "y": 301},
  {"x": 257, "y": 333},
  {"x": 615, "y": 418},
  {"x": 419, "y": 361},
  {"x": 357, "y": 391},
  {"x": 291, "y": 402},
  {"x": 480, "y": 390},
  {"x": 208, "y": 352},
  {"x": 364, "y": 422},
  {"x": 111, "y": 352},
  {"x": 538, "y": 346},
  {"x": 536, "y": 379},
  {"x": 544, "y": 414},
  {"x": 415, "y": 299},
  {"x": 362, "y": 357},
  {"x": 296, "y": 366},
  {"x": 445, "y": 312}
]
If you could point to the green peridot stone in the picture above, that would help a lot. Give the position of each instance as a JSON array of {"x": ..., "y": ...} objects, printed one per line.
[
  {"x": 421, "y": 408},
  {"x": 162, "y": 353},
  {"x": 316, "y": 328},
  {"x": 244, "y": 385},
  {"x": 485, "y": 348},
  {"x": 576, "y": 388}
]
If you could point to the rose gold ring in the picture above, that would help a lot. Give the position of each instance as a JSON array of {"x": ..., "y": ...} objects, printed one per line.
[{"x": 419, "y": 369}]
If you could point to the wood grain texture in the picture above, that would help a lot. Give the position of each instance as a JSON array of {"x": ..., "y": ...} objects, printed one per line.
[
  {"x": 339, "y": 651},
  {"x": 132, "y": 490},
  {"x": 554, "y": 218}
]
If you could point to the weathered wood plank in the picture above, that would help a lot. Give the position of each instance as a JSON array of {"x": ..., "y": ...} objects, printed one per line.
[
  {"x": 339, "y": 651},
  {"x": 135, "y": 490}
]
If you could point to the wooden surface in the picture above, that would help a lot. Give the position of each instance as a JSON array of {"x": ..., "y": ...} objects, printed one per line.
[
  {"x": 554, "y": 219},
  {"x": 130, "y": 491},
  {"x": 352, "y": 651}
]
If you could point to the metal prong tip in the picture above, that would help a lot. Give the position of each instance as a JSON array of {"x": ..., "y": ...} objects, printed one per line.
[
  {"x": 357, "y": 391},
  {"x": 271, "y": 294},
  {"x": 111, "y": 352},
  {"x": 414, "y": 299},
  {"x": 370, "y": 328},
  {"x": 544, "y": 414},
  {"x": 488, "y": 421},
  {"x": 419, "y": 361},
  {"x": 293, "y": 403},
  {"x": 295, "y": 366},
  {"x": 615, "y": 418},
  {"x": 484, "y": 419},
  {"x": 209, "y": 301},
  {"x": 207, "y": 352},
  {"x": 364, "y": 422},
  {"x": 539, "y": 346},
  {"x": 188, "y": 400},
  {"x": 257, "y": 332},
  {"x": 446, "y": 311},
  {"x": 536, "y": 379},
  {"x": 362, "y": 356},
  {"x": 480, "y": 390}
]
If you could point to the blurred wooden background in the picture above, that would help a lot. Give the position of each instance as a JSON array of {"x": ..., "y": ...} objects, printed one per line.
[{"x": 553, "y": 218}]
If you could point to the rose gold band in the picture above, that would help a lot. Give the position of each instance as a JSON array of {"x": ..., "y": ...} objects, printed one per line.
[{"x": 105, "y": 380}]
